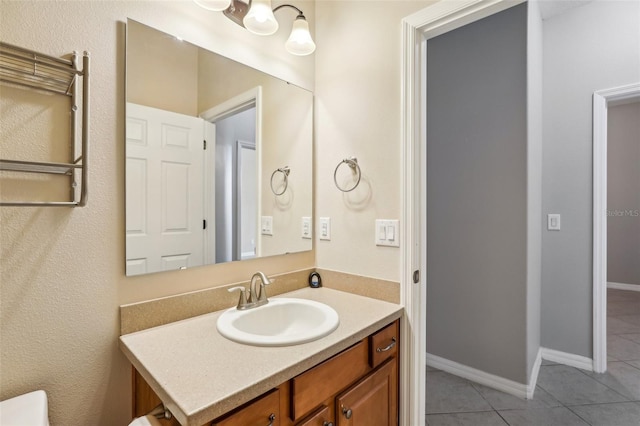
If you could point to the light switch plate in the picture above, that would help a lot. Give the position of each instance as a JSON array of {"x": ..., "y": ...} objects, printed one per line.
[
  {"x": 553, "y": 222},
  {"x": 267, "y": 225},
  {"x": 325, "y": 228},
  {"x": 387, "y": 233},
  {"x": 306, "y": 228}
]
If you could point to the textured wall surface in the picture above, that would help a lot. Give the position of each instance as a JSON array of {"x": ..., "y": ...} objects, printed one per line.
[{"x": 62, "y": 269}]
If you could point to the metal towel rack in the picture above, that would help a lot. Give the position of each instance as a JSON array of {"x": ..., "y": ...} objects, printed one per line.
[{"x": 27, "y": 68}]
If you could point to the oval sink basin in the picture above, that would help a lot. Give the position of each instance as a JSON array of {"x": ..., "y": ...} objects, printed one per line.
[{"x": 281, "y": 322}]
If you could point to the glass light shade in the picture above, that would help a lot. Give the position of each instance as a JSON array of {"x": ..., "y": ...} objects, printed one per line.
[
  {"x": 215, "y": 5},
  {"x": 260, "y": 19},
  {"x": 300, "y": 41}
]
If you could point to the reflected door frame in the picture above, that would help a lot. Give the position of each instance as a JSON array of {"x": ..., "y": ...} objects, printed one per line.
[{"x": 250, "y": 98}]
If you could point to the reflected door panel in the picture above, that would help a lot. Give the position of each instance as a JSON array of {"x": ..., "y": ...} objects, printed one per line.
[{"x": 164, "y": 188}]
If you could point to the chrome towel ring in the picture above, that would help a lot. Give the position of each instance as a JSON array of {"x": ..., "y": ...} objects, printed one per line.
[
  {"x": 285, "y": 179},
  {"x": 355, "y": 168}
]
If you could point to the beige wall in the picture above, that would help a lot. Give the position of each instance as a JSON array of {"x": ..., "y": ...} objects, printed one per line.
[
  {"x": 358, "y": 113},
  {"x": 63, "y": 269},
  {"x": 154, "y": 60}
]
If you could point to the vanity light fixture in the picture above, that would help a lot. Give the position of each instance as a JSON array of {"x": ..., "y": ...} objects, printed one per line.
[
  {"x": 215, "y": 5},
  {"x": 257, "y": 16}
]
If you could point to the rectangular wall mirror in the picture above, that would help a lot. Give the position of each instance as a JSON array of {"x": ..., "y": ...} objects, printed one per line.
[{"x": 219, "y": 158}]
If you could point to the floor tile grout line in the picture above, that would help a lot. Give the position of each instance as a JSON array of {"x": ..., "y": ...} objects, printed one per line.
[
  {"x": 627, "y": 362},
  {"x": 600, "y": 403},
  {"x": 460, "y": 412},
  {"x": 503, "y": 419},
  {"x": 605, "y": 385},
  {"x": 621, "y": 335},
  {"x": 473, "y": 385},
  {"x": 579, "y": 416}
]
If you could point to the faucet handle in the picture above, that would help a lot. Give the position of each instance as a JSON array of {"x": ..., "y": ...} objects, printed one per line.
[
  {"x": 242, "y": 303},
  {"x": 263, "y": 291}
]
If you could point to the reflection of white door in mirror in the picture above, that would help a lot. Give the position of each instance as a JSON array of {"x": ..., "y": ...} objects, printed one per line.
[{"x": 164, "y": 169}]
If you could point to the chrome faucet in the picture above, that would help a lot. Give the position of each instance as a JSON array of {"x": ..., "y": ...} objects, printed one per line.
[{"x": 255, "y": 297}]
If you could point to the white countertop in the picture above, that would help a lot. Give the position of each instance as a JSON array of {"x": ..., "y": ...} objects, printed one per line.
[{"x": 199, "y": 374}]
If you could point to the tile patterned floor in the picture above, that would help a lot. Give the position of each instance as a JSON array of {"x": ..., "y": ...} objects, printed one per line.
[{"x": 565, "y": 396}]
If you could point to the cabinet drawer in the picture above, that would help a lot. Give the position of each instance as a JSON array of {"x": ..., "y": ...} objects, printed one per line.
[
  {"x": 322, "y": 417},
  {"x": 263, "y": 411},
  {"x": 313, "y": 387},
  {"x": 383, "y": 344}
]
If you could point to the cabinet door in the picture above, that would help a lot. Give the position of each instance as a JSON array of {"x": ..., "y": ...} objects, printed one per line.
[
  {"x": 322, "y": 417},
  {"x": 261, "y": 412},
  {"x": 373, "y": 401}
]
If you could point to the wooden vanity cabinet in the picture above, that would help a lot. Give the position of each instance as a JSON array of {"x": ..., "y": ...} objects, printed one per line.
[
  {"x": 373, "y": 401},
  {"x": 322, "y": 417},
  {"x": 263, "y": 411},
  {"x": 357, "y": 387}
]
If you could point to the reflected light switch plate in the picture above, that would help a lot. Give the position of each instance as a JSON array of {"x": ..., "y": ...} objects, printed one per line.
[
  {"x": 267, "y": 225},
  {"x": 306, "y": 227},
  {"x": 325, "y": 228}
]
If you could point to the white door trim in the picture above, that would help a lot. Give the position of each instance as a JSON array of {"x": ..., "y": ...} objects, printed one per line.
[
  {"x": 601, "y": 101},
  {"x": 417, "y": 28}
]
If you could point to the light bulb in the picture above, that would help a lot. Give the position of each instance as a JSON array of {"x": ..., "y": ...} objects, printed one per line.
[
  {"x": 260, "y": 19},
  {"x": 215, "y": 5},
  {"x": 300, "y": 41}
]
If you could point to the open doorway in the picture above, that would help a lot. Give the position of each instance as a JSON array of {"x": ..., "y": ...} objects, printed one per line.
[
  {"x": 614, "y": 240},
  {"x": 234, "y": 171}
]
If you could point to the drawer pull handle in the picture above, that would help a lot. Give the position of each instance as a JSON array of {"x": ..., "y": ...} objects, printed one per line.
[
  {"x": 327, "y": 424},
  {"x": 391, "y": 345},
  {"x": 347, "y": 412},
  {"x": 272, "y": 417}
]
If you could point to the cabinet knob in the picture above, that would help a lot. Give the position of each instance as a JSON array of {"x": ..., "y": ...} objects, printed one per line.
[
  {"x": 327, "y": 424},
  {"x": 347, "y": 412},
  {"x": 272, "y": 417}
]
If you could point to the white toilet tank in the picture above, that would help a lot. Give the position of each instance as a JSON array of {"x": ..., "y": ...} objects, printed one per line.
[{"x": 30, "y": 409}]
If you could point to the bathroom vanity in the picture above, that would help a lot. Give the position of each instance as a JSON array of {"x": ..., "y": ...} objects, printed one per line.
[{"x": 349, "y": 377}]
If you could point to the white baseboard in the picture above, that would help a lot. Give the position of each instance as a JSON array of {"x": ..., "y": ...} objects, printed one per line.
[
  {"x": 491, "y": 380},
  {"x": 566, "y": 358},
  {"x": 622, "y": 286},
  {"x": 533, "y": 380}
]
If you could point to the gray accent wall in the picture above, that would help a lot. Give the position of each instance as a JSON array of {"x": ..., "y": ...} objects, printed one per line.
[
  {"x": 623, "y": 194},
  {"x": 589, "y": 48},
  {"x": 477, "y": 195},
  {"x": 534, "y": 182}
]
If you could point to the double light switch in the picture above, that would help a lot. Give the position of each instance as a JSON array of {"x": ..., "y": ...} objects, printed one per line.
[{"x": 387, "y": 233}]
